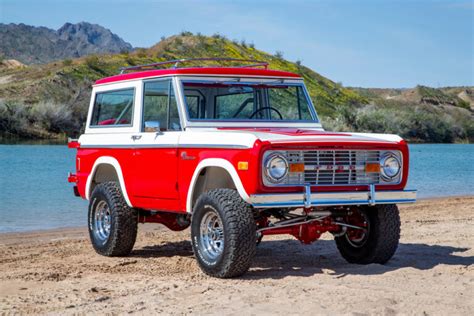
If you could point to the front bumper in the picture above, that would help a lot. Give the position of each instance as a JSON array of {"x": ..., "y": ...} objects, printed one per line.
[{"x": 312, "y": 199}]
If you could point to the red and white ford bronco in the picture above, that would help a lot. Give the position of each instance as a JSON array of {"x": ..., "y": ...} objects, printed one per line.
[{"x": 236, "y": 153}]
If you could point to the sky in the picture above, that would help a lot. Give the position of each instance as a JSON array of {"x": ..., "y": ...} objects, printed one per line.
[{"x": 363, "y": 43}]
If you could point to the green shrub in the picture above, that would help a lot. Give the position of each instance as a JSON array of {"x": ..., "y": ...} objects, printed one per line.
[
  {"x": 141, "y": 53},
  {"x": 93, "y": 62},
  {"x": 67, "y": 62},
  {"x": 464, "y": 104}
]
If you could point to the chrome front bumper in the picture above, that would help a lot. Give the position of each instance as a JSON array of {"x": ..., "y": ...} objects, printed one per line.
[{"x": 312, "y": 199}]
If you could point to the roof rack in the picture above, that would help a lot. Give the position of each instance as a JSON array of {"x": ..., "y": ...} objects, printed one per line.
[{"x": 252, "y": 63}]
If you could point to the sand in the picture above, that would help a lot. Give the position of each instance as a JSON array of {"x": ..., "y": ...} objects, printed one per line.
[{"x": 57, "y": 272}]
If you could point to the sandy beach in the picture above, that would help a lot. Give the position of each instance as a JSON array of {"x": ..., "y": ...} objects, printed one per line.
[{"x": 432, "y": 273}]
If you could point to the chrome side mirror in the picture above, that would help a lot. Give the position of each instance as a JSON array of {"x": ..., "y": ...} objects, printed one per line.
[{"x": 152, "y": 126}]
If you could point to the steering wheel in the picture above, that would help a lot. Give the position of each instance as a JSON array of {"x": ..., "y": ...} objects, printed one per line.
[{"x": 266, "y": 108}]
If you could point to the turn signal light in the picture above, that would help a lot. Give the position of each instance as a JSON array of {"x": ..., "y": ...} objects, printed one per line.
[
  {"x": 372, "y": 167},
  {"x": 297, "y": 167},
  {"x": 243, "y": 165}
]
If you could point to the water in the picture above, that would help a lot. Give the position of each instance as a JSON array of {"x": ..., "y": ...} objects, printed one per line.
[
  {"x": 34, "y": 193},
  {"x": 438, "y": 170}
]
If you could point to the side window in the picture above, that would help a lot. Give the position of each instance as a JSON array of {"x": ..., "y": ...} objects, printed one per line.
[
  {"x": 160, "y": 107},
  {"x": 113, "y": 108}
]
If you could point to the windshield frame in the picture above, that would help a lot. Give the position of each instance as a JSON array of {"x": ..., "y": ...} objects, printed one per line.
[{"x": 190, "y": 122}]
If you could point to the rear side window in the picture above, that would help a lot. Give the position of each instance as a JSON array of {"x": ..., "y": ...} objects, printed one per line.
[{"x": 114, "y": 108}]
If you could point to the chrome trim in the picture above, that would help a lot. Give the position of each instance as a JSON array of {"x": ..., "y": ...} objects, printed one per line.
[
  {"x": 132, "y": 146},
  {"x": 268, "y": 160},
  {"x": 372, "y": 194},
  {"x": 331, "y": 198},
  {"x": 335, "y": 167},
  {"x": 307, "y": 196}
]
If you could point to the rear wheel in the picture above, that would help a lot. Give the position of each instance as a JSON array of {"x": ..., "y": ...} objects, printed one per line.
[
  {"x": 112, "y": 223},
  {"x": 378, "y": 241},
  {"x": 223, "y": 233}
]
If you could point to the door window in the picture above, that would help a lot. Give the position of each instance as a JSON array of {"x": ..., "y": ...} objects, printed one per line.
[{"x": 160, "y": 107}]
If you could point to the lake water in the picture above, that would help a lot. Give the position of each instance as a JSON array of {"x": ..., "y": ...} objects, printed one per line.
[{"x": 34, "y": 193}]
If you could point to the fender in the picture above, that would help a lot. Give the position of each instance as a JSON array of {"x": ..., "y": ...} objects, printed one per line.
[
  {"x": 215, "y": 162},
  {"x": 114, "y": 163}
]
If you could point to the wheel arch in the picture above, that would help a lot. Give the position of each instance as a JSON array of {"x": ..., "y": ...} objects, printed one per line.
[
  {"x": 213, "y": 173},
  {"x": 106, "y": 168}
]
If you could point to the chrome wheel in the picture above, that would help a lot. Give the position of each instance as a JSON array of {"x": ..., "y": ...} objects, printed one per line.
[
  {"x": 211, "y": 235},
  {"x": 102, "y": 222}
]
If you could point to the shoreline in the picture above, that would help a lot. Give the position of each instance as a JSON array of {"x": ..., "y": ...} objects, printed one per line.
[
  {"x": 431, "y": 273},
  {"x": 81, "y": 231}
]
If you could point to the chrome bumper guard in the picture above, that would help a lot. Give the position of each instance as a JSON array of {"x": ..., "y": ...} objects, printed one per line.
[{"x": 309, "y": 199}]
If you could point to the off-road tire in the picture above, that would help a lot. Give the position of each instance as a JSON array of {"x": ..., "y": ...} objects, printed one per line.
[
  {"x": 383, "y": 238},
  {"x": 239, "y": 231},
  {"x": 123, "y": 221}
]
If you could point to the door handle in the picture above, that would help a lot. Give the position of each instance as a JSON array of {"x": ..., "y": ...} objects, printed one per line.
[{"x": 136, "y": 137}]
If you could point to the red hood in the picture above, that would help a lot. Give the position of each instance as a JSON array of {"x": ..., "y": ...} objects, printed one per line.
[
  {"x": 278, "y": 135},
  {"x": 285, "y": 131}
]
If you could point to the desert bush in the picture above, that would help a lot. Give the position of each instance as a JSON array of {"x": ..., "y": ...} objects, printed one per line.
[
  {"x": 37, "y": 120},
  {"x": 14, "y": 118},
  {"x": 93, "y": 62},
  {"x": 464, "y": 104},
  {"x": 423, "y": 124},
  {"x": 141, "y": 52},
  {"x": 55, "y": 118}
]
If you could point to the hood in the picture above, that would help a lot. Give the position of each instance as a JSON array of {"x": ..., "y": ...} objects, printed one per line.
[
  {"x": 247, "y": 137},
  {"x": 298, "y": 135}
]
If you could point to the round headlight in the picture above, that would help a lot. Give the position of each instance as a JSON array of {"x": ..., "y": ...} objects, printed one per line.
[
  {"x": 276, "y": 168},
  {"x": 390, "y": 166}
]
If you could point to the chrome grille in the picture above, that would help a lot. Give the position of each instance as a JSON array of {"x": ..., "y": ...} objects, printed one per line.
[{"x": 334, "y": 167}]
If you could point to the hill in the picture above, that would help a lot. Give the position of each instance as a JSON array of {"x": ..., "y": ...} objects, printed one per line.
[
  {"x": 51, "y": 100},
  {"x": 35, "y": 45},
  {"x": 63, "y": 87},
  {"x": 420, "y": 114}
]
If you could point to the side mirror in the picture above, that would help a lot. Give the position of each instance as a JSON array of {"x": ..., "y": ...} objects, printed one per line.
[{"x": 152, "y": 126}]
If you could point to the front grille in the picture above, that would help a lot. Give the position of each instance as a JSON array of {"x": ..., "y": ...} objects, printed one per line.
[{"x": 334, "y": 167}]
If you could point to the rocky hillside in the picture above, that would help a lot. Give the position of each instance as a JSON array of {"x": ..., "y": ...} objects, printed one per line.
[
  {"x": 36, "y": 45},
  {"x": 51, "y": 100}
]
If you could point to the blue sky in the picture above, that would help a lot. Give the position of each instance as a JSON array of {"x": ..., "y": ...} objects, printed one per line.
[{"x": 359, "y": 43}]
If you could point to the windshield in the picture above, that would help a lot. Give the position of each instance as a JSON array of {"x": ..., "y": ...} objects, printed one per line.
[{"x": 235, "y": 101}]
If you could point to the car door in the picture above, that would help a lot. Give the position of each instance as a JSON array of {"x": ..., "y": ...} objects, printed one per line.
[{"x": 156, "y": 147}]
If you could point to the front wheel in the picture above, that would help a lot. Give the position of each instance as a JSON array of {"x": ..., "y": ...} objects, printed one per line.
[
  {"x": 223, "y": 233},
  {"x": 112, "y": 223},
  {"x": 378, "y": 241}
]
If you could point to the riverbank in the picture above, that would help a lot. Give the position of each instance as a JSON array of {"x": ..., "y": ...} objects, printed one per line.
[{"x": 57, "y": 271}]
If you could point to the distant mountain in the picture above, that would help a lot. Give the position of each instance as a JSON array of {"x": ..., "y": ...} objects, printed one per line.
[{"x": 37, "y": 45}]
